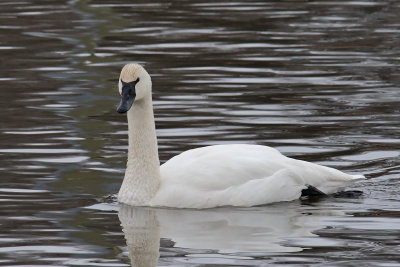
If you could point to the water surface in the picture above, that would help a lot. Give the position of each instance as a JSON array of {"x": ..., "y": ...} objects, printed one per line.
[{"x": 318, "y": 80}]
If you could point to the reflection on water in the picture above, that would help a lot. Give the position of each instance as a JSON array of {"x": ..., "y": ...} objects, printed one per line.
[
  {"x": 142, "y": 233},
  {"x": 318, "y": 80},
  {"x": 243, "y": 235},
  {"x": 223, "y": 230},
  {"x": 229, "y": 230}
]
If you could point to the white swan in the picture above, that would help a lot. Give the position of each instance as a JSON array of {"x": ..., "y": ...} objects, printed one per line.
[{"x": 221, "y": 175}]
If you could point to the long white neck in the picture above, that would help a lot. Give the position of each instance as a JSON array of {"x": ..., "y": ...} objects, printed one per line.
[{"x": 142, "y": 175}]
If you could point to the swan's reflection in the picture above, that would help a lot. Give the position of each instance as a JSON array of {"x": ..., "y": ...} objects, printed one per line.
[
  {"x": 227, "y": 230},
  {"x": 142, "y": 234}
]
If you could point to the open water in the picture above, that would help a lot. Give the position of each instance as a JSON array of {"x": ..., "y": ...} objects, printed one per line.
[{"x": 318, "y": 80}]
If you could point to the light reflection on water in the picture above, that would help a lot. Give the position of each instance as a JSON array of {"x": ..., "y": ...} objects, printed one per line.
[{"x": 317, "y": 80}]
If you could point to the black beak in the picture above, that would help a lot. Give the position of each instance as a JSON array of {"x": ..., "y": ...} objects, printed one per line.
[{"x": 128, "y": 95}]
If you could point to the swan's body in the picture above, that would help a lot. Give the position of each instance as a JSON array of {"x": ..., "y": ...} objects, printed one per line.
[{"x": 236, "y": 175}]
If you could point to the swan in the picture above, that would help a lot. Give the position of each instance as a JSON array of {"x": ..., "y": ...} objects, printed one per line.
[{"x": 211, "y": 176}]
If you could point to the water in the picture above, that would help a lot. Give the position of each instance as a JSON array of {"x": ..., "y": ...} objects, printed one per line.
[{"x": 318, "y": 80}]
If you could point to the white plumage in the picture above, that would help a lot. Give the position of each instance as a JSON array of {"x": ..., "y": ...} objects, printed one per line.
[{"x": 221, "y": 175}]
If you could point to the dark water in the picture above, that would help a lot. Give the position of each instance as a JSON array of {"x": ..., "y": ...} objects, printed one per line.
[{"x": 319, "y": 80}]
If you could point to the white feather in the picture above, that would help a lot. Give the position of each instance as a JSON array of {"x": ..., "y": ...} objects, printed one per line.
[{"x": 240, "y": 175}]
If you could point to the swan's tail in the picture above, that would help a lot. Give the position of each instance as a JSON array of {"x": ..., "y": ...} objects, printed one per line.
[{"x": 358, "y": 177}]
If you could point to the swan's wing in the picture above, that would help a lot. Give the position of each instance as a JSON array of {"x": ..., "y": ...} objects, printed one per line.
[
  {"x": 240, "y": 175},
  {"x": 222, "y": 166}
]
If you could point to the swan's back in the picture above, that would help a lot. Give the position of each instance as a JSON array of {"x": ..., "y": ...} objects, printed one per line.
[
  {"x": 240, "y": 175},
  {"x": 217, "y": 167}
]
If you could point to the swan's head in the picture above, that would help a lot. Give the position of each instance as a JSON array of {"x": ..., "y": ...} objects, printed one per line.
[{"x": 134, "y": 85}]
